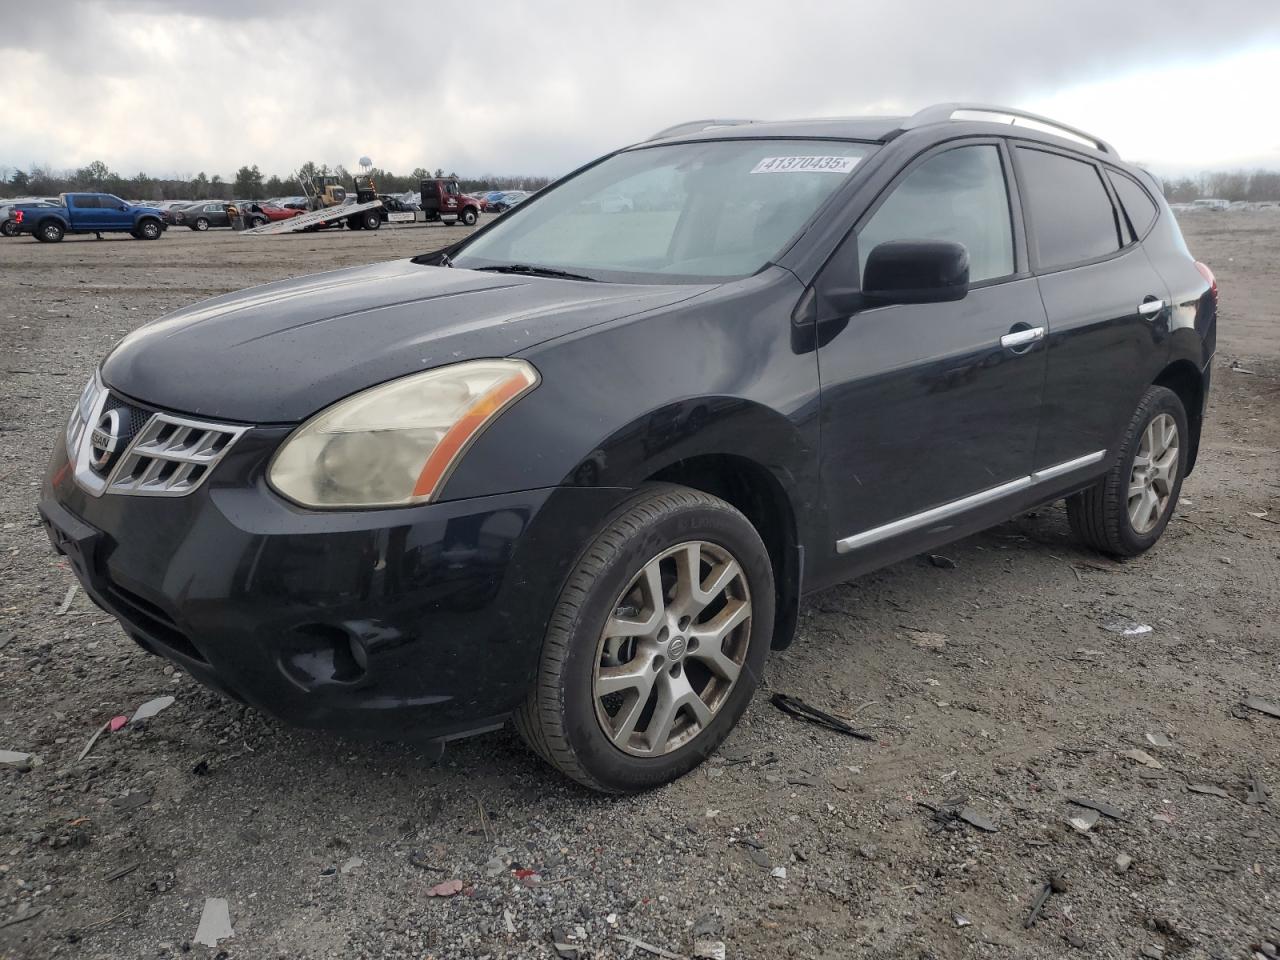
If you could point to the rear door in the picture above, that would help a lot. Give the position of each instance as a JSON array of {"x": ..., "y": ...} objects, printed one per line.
[
  {"x": 84, "y": 211},
  {"x": 923, "y": 406},
  {"x": 1108, "y": 308}
]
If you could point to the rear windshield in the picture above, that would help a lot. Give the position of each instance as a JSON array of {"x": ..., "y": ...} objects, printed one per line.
[{"x": 692, "y": 210}]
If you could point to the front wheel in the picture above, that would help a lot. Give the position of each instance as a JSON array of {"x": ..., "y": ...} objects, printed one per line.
[
  {"x": 371, "y": 220},
  {"x": 148, "y": 230},
  {"x": 656, "y": 644},
  {"x": 202, "y": 224},
  {"x": 1126, "y": 511},
  {"x": 469, "y": 216}
]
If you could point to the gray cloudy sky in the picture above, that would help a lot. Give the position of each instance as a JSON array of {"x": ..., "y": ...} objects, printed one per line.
[{"x": 179, "y": 86}]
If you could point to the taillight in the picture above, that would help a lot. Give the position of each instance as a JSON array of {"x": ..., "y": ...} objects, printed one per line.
[
  {"x": 1209, "y": 279},
  {"x": 17, "y": 216}
]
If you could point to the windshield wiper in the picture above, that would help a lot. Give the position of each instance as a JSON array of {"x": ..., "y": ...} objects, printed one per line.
[{"x": 532, "y": 271}]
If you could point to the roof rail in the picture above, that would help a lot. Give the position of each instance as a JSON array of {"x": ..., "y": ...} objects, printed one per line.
[
  {"x": 941, "y": 112},
  {"x": 696, "y": 126}
]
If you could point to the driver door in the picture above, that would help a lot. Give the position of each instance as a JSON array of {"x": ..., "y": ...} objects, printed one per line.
[{"x": 923, "y": 406}]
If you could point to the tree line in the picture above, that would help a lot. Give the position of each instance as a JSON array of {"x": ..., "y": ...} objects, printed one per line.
[{"x": 249, "y": 183}]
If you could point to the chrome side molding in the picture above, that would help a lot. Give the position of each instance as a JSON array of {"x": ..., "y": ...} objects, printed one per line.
[{"x": 947, "y": 511}]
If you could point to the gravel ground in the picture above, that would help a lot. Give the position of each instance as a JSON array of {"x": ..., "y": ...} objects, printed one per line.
[{"x": 993, "y": 684}]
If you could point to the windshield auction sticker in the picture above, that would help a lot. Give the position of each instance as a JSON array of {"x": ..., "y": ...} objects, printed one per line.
[{"x": 805, "y": 165}]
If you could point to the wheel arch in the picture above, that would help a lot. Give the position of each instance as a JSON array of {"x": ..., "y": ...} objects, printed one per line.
[
  {"x": 1184, "y": 379},
  {"x": 758, "y": 494}
]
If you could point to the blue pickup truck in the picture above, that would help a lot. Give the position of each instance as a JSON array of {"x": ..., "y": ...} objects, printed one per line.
[{"x": 96, "y": 213}]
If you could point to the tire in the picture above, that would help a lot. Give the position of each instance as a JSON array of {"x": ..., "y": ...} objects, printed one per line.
[
  {"x": 371, "y": 220},
  {"x": 469, "y": 216},
  {"x": 354, "y": 224},
  {"x": 9, "y": 228},
  {"x": 50, "y": 231},
  {"x": 201, "y": 224},
  {"x": 258, "y": 222},
  {"x": 147, "y": 230},
  {"x": 563, "y": 721},
  {"x": 1105, "y": 516}
]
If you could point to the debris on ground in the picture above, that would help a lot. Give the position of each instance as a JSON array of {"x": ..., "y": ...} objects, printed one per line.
[
  {"x": 1259, "y": 795},
  {"x": 961, "y": 920},
  {"x": 927, "y": 640},
  {"x": 1127, "y": 628},
  {"x": 1208, "y": 789},
  {"x": 778, "y": 873},
  {"x": 977, "y": 818},
  {"x": 1142, "y": 757},
  {"x": 941, "y": 562},
  {"x": 1084, "y": 821},
  {"x": 799, "y": 709},
  {"x": 215, "y": 922},
  {"x": 1106, "y": 809},
  {"x": 705, "y": 949},
  {"x": 1037, "y": 905},
  {"x": 22, "y": 916},
  {"x": 66, "y": 601},
  {"x": 1263, "y": 706},
  {"x": 19, "y": 759},
  {"x": 151, "y": 708},
  {"x": 353, "y": 864},
  {"x": 1159, "y": 740},
  {"x": 124, "y": 871},
  {"x": 447, "y": 888},
  {"x": 1123, "y": 862}
]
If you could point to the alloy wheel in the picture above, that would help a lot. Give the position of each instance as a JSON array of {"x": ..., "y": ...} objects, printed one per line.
[
  {"x": 1155, "y": 468},
  {"x": 673, "y": 648}
]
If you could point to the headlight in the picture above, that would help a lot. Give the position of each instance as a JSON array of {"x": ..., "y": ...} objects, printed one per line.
[{"x": 395, "y": 444}]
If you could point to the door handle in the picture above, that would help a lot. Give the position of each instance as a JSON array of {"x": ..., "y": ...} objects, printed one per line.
[
  {"x": 1022, "y": 338},
  {"x": 1149, "y": 308}
]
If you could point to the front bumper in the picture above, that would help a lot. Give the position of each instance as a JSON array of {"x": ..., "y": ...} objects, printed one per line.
[{"x": 422, "y": 622}]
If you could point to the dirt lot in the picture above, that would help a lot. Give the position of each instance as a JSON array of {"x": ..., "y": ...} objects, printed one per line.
[{"x": 327, "y": 848}]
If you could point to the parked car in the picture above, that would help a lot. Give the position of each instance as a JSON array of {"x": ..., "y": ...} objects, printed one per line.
[
  {"x": 508, "y": 200},
  {"x": 9, "y": 226},
  {"x": 96, "y": 213},
  {"x": 203, "y": 215},
  {"x": 577, "y": 469},
  {"x": 395, "y": 210}
]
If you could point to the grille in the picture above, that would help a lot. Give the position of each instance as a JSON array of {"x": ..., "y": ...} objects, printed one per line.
[
  {"x": 171, "y": 456},
  {"x": 163, "y": 455}
]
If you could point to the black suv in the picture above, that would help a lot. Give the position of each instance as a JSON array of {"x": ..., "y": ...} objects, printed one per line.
[{"x": 578, "y": 469}]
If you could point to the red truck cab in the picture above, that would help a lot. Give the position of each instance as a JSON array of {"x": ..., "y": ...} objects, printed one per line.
[{"x": 443, "y": 199}]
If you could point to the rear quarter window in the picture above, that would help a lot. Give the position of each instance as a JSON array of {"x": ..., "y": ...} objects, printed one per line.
[
  {"x": 1072, "y": 218},
  {"x": 1139, "y": 207}
]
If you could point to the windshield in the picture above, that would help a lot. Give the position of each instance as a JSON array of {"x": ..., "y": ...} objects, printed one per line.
[{"x": 715, "y": 209}]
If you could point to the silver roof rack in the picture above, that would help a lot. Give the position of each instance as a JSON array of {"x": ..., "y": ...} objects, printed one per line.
[
  {"x": 696, "y": 126},
  {"x": 986, "y": 113}
]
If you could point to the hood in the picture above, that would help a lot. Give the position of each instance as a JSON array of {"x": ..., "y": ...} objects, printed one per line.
[{"x": 280, "y": 352}]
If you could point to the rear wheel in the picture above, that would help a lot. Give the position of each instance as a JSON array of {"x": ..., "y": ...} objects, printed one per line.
[
  {"x": 51, "y": 231},
  {"x": 656, "y": 644},
  {"x": 9, "y": 228},
  {"x": 1126, "y": 511},
  {"x": 371, "y": 220},
  {"x": 201, "y": 224}
]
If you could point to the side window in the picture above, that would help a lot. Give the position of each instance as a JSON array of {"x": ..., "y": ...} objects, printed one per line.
[
  {"x": 1072, "y": 218},
  {"x": 1137, "y": 204},
  {"x": 212, "y": 208},
  {"x": 86, "y": 203},
  {"x": 960, "y": 196}
]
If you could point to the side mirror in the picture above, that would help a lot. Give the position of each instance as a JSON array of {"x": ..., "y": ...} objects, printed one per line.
[
  {"x": 916, "y": 271},
  {"x": 124, "y": 206}
]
